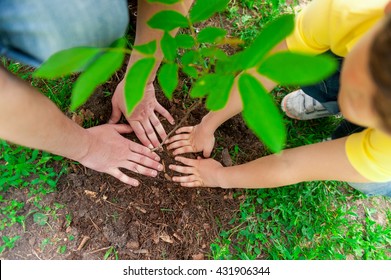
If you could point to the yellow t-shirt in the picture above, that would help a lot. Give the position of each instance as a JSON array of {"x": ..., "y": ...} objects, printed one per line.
[
  {"x": 337, "y": 25},
  {"x": 334, "y": 25},
  {"x": 369, "y": 152}
]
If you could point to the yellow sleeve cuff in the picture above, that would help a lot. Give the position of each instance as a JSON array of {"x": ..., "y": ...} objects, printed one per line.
[{"x": 369, "y": 152}]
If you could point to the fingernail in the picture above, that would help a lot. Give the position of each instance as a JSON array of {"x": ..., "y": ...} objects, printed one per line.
[
  {"x": 160, "y": 167},
  {"x": 157, "y": 158},
  {"x": 170, "y": 166},
  {"x": 154, "y": 173},
  {"x": 136, "y": 184},
  {"x": 150, "y": 146}
]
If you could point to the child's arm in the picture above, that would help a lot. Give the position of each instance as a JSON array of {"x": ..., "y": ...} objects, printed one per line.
[
  {"x": 322, "y": 161},
  {"x": 200, "y": 138}
]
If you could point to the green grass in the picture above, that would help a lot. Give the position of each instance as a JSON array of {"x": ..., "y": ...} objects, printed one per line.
[
  {"x": 311, "y": 220},
  {"x": 32, "y": 173}
]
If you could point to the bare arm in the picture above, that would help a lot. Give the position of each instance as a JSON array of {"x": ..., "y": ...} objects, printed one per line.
[
  {"x": 234, "y": 105},
  {"x": 143, "y": 119},
  {"x": 30, "y": 119},
  {"x": 322, "y": 161},
  {"x": 201, "y": 137}
]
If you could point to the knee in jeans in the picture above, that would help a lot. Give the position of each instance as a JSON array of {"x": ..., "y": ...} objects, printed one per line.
[{"x": 373, "y": 189}]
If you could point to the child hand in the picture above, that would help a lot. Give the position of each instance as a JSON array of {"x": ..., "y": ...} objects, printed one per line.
[
  {"x": 198, "y": 172},
  {"x": 192, "y": 139}
]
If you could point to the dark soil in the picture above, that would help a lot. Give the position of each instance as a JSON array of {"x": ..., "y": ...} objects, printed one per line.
[
  {"x": 105, "y": 219},
  {"x": 157, "y": 220}
]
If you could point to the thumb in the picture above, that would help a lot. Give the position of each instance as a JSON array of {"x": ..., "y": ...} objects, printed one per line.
[
  {"x": 115, "y": 114},
  {"x": 123, "y": 128},
  {"x": 208, "y": 150}
]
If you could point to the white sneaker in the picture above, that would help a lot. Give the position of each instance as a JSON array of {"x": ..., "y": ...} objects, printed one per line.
[{"x": 300, "y": 106}]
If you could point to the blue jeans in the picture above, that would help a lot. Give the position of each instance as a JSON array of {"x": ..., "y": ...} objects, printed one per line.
[
  {"x": 326, "y": 92},
  {"x": 32, "y": 30}
]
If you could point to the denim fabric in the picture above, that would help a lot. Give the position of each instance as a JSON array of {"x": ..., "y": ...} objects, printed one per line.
[
  {"x": 32, "y": 30},
  {"x": 326, "y": 92},
  {"x": 373, "y": 189}
]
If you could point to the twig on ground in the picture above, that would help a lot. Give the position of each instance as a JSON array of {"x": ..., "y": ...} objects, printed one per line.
[
  {"x": 83, "y": 242},
  {"x": 99, "y": 250}
]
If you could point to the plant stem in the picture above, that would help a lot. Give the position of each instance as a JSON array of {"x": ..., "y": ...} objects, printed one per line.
[{"x": 191, "y": 108}]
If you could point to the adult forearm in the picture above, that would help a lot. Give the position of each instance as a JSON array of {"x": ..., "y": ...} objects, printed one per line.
[
  {"x": 30, "y": 119},
  {"x": 145, "y": 34}
]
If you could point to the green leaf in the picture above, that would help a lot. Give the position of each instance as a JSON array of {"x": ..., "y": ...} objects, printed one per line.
[
  {"x": 190, "y": 57},
  {"x": 211, "y": 35},
  {"x": 289, "y": 68},
  {"x": 136, "y": 81},
  {"x": 216, "y": 86},
  {"x": 168, "y": 20},
  {"x": 273, "y": 33},
  {"x": 167, "y": 2},
  {"x": 204, "y": 9},
  {"x": 219, "y": 94},
  {"x": 96, "y": 74},
  {"x": 213, "y": 53},
  {"x": 66, "y": 62},
  {"x": 168, "y": 78},
  {"x": 202, "y": 86},
  {"x": 261, "y": 113},
  {"x": 190, "y": 71},
  {"x": 40, "y": 219},
  {"x": 168, "y": 45},
  {"x": 184, "y": 41},
  {"x": 148, "y": 48}
]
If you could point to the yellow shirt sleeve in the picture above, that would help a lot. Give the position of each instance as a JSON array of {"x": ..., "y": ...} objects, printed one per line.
[
  {"x": 334, "y": 25},
  {"x": 369, "y": 152}
]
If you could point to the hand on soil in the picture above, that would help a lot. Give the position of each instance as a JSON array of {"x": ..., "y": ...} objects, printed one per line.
[
  {"x": 143, "y": 119},
  {"x": 197, "y": 172},
  {"x": 191, "y": 139},
  {"x": 109, "y": 151}
]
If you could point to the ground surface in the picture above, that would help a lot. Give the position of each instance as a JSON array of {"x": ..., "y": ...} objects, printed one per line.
[
  {"x": 157, "y": 220},
  {"x": 94, "y": 216}
]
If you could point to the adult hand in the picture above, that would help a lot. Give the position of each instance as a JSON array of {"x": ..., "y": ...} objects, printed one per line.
[
  {"x": 192, "y": 139},
  {"x": 198, "y": 172},
  {"x": 108, "y": 151},
  {"x": 143, "y": 119}
]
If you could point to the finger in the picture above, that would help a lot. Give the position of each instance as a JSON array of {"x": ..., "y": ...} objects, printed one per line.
[
  {"x": 192, "y": 184},
  {"x": 139, "y": 169},
  {"x": 140, "y": 133},
  {"x": 183, "y": 150},
  {"x": 178, "y": 137},
  {"x": 187, "y": 129},
  {"x": 158, "y": 126},
  {"x": 123, "y": 128},
  {"x": 208, "y": 149},
  {"x": 162, "y": 111},
  {"x": 123, "y": 178},
  {"x": 185, "y": 179},
  {"x": 150, "y": 132},
  {"x": 178, "y": 144},
  {"x": 115, "y": 114},
  {"x": 140, "y": 149},
  {"x": 187, "y": 161},
  {"x": 182, "y": 169},
  {"x": 145, "y": 161}
]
